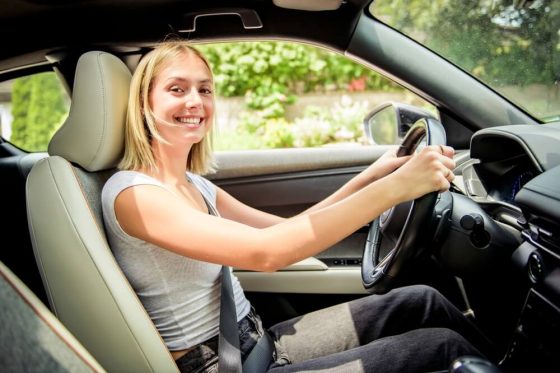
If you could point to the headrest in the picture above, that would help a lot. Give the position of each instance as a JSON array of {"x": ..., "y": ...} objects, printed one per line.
[{"x": 93, "y": 134}]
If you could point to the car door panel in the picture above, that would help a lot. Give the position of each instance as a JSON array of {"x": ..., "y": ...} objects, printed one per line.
[
  {"x": 289, "y": 193},
  {"x": 286, "y": 182}
]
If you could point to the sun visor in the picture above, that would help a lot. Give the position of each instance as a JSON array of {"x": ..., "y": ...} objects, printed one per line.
[{"x": 312, "y": 5}]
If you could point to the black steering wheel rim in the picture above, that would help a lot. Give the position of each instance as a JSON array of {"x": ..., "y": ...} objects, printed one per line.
[{"x": 379, "y": 275}]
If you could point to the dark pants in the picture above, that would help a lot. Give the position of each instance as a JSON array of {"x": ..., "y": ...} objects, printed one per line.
[
  {"x": 204, "y": 357},
  {"x": 410, "y": 329}
]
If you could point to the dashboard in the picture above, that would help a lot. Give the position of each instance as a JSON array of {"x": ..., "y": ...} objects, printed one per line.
[
  {"x": 518, "y": 169},
  {"x": 513, "y": 172},
  {"x": 504, "y": 159},
  {"x": 497, "y": 181}
]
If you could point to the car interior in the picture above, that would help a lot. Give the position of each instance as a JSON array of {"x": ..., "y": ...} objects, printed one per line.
[
  {"x": 30, "y": 326},
  {"x": 490, "y": 244}
]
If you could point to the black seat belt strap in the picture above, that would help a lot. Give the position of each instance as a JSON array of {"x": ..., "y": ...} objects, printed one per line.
[
  {"x": 229, "y": 360},
  {"x": 229, "y": 354},
  {"x": 260, "y": 356}
]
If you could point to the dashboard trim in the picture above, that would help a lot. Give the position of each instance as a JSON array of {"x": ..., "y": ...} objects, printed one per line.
[{"x": 518, "y": 139}]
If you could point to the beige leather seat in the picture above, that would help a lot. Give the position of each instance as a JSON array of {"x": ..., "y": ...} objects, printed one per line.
[{"x": 85, "y": 287}]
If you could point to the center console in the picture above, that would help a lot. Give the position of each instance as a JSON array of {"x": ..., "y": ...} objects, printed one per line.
[{"x": 535, "y": 345}]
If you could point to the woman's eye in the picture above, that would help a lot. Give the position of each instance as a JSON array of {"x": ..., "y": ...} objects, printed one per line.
[
  {"x": 176, "y": 89},
  {"x": 205, "y": 91}
]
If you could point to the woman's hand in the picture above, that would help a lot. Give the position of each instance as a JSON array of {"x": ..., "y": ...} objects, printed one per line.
[
  {"x": 428, "y": 171},
  {"x": 384, "y": 165}
]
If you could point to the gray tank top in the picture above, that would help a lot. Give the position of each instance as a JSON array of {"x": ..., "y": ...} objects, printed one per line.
[{"x": 181, "y": 295}]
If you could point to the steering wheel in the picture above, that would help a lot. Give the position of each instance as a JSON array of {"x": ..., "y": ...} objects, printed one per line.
[{"x": 403, "y": 226}]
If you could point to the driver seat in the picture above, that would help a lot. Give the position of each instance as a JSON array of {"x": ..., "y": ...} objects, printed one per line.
[{"x": 86, "y": 288}]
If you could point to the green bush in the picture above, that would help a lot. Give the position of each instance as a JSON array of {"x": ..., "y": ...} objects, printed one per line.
[
  {"x": 233, "y": 139},
  {"x": 287, "y": 68},
  {"x": 270, "y": 75},
  {"x": 341, "y": 124},
  {"x": 38, "y": 108},
  {"x": 278, "y": 134}
]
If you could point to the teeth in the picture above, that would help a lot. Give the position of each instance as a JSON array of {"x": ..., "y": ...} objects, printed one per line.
[{"x": 190, "y": 120}]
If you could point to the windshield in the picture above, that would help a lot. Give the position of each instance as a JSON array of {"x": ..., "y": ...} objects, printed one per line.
[{"x": 511, "y": 45}]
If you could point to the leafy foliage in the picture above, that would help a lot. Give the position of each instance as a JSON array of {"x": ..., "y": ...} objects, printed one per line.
[
  {"x": 38, "y": 108},
  {"x": 270, "y": 75},
  {"x": 495, "y": 42},
  {"x": 341, "y": 123},
  {"x": 265, "y": 68}
]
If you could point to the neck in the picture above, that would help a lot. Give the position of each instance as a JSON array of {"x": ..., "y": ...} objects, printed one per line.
[{"x": 171, "y": 161}]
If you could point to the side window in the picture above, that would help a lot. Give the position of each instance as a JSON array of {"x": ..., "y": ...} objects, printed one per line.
[
  {"x": 32, "y": 108},
  {"x": 285, "y": 94}
]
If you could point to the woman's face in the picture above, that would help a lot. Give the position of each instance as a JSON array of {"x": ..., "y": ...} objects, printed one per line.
[{"x": 182, "y": 100}]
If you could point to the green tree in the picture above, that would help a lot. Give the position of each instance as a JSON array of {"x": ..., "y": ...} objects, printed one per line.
[
  {"x": 491, "y": 39},
  {"x": 21, "y": 93},
  {"x": 38, "y": 108}
]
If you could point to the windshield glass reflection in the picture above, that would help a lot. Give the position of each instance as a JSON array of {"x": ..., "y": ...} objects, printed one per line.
[{"x": 513, "y": 46}]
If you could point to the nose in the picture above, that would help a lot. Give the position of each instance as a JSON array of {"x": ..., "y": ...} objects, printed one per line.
[{"x": 193, "y": 99}]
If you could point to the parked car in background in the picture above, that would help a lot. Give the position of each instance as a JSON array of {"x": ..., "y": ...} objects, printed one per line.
[{"x": 486, "y": 73}]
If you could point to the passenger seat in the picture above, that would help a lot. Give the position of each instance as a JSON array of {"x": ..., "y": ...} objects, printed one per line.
[{"x": 31, "y": 338}]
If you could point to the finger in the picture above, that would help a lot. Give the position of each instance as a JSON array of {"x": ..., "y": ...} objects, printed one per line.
[
  {"x": 402, "y": 160},
  {"x": 399, "y": 161},
  {"x": 433, "y": 153},
  {"x": 448, "y": 174},
  {"x": 439, "y": 149},
  {"x": 448, "y": 151},
  {"x": 445, "y": 187},
  {"x": 389, "y": 153},
  {"x": 451, "y": 176},
  {"x": 434, "y": 148},
  {"x": 445, "y": 150},
  {"x": 447, "y": 162},
  {"x": 444, "y": 182}
]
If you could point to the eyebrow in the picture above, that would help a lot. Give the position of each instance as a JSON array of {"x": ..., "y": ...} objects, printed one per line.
[{"x": 179, "y": 78}]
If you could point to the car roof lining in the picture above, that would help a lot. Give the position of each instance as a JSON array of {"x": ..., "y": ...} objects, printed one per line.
[{"x": 73, "y": 25}]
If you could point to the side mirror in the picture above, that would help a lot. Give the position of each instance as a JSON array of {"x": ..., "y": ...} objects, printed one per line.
[{"x": 388, "y": 123}]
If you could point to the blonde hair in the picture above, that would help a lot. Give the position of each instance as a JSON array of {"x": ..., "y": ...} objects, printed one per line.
[{"x": 140, "y": 127}]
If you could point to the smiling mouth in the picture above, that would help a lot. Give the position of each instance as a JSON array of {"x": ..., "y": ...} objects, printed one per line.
[{"x": 191, "y": 122}]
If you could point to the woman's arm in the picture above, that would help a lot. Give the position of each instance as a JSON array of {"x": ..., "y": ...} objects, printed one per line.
[
  {"x": 383, "y": 166},
  {"x": 155, "y": 215},
  {"x": 233, "y": 209}
]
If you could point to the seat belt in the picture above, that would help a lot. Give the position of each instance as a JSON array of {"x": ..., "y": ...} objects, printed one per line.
[
  {"x": 260, "y": 356},
  {"x": 229, "y": 354}
]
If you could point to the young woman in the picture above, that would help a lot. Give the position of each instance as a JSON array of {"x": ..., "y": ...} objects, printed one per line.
[{"x": 172, "y": 230}]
